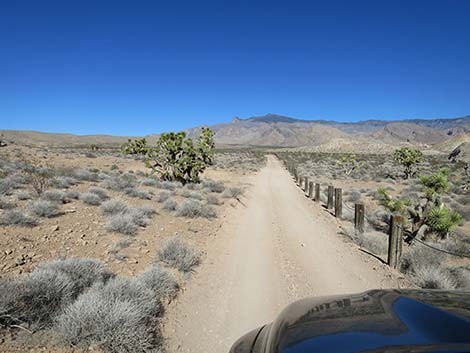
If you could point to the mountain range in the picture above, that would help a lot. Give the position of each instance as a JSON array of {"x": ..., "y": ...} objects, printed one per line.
[{"x": 272, "y": 130}]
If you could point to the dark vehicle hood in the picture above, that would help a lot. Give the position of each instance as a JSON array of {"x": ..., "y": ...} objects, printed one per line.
[{"x": 374, "y": 321}]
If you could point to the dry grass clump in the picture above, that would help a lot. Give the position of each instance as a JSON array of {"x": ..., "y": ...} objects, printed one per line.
[
  {"x": 151, "y": 182},
  {"x": 119, "y": 316},
  {"x": 125, "y": 219},
  {"x": 119, "y": 182},
  {"x": 376, "y": 243},
  {"x": 213, "y": 186},
  {"x": 17, "y": 217},
  {"x": 90, "y": 199},
  {"x": 62, "y": 182},
  {"x": 231, "y": 193},
  {"x": 100, "y": 192},
  {"x": 138, "y": 193},
  {"x": 54, "y": 196},
  {"x": 213, "y": 200},
  {"x": 6, "y": 186},
  {"x": 44, "y": 208},
  {"x": 434, "y": 277},
  {"x": 114, "y": 206},
  {"x": 6, "y": 205},
  {"x": 170, "y": 185},
  {"x": 162, "y": 196},
  {"x": 121, "y": 223},
  {"x": 35, "y": 299},
  {"x": 176, "y": 253},
  {"x": 170, "y": 204},
  {"x": 193, "y": 208},
  {"x": 23, "y": 195},
  {"x": 85, "y": 175},
  {"x": 160, "y": 281},
  {"x": 72, "y": 195}
]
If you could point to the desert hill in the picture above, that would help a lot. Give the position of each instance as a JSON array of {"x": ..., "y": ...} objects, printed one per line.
[{"x": 273, "y": 130}]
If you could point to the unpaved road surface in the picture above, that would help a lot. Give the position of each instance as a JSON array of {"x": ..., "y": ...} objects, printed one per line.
[{"x": 273, "y": 249}]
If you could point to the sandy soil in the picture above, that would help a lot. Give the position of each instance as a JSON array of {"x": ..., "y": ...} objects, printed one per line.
[{"x": 275, "y": 247}]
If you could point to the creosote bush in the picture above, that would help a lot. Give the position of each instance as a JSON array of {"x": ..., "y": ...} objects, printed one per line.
[{"x": 176, "y": 253}]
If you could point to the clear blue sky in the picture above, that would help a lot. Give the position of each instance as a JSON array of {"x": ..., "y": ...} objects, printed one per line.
[{"x": 138, "y": 67}]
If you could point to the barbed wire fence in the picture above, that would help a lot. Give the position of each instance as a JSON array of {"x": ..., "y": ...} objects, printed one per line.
[{"x": 396, "y": 229}]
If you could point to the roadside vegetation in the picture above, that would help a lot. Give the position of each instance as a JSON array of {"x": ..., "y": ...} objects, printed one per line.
[{"x": 429, "y": 191}]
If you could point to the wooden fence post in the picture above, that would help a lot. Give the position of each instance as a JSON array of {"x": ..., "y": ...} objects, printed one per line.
[
  {"x": 338, "y": 202},
  {"x": 306, "y": 184},
  {"x": 331, "y": 191},
  {"x": 317, "y": 192},
  {"x": 310, "y": 189},
  {"x": 395, "y": 241},
  {"x": 359, "y": 217}
]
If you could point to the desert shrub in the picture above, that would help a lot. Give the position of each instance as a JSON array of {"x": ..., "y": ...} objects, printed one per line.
[
  {"x": 231, "y": 193},
  {"x": 119, "y": 183},
  {"x": 213, "y": 200},
  {"x": 213, "y": 186},
  {"x": 121, "y": 223},
  {"x": 23, "y": 195},
  {"x": 85, "y": 175},
  {"x": 162, "y": 196},
  {"x": 195, "y": 195},
  {"x": 151, "y": 182},
  {"x": 138, "y": 216},
  {"x": 421, "y": 255},
  {"x": 113, "y": 206},
  {"x": 82, "y": 272},
  {"x": 170, "y": 204},
  {"x": 147, "y": 210},
  {"x": 6, "y": 205},
  {"x": 175, "y": 253},
  {"x": 54, "y": 196},
  {"x": 34, "y": 299},
  {"x": 138, "y": 193},
  {"x": 120, "y": 316},
  {"x": 6, "y": 186},
  {"x": 434, "y": 277},
  {"x": 72, "y": 195},
  {"x": 100, "y": 192},
  {"x": 17, "y": 217},
  {"x": 90, "y": 199},
  {"x": 193, "y": 186},
  {"x": 62, "y": 182},
  {"x": 38, "y": 177},
  {"x": 462, "y": 277},
  {"x": 193, "y": 208},
  {"x": 43, "y": 208},
  {"x": 353, "y": 196},
  {"x": 169, "y": 185},
  {"x": 160, "y": 281}
]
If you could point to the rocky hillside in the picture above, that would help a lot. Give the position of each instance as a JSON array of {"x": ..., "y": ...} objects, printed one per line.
[{"x": 273, "y": 130}]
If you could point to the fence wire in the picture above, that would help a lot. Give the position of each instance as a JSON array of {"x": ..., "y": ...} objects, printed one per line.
[{"x": 416, "y": 239}]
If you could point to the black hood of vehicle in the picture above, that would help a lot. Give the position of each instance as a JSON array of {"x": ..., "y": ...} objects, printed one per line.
[{"x": 374, "y": 321}]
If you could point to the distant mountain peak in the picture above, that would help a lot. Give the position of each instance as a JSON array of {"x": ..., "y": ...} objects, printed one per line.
[
  {"x": 236, "y": 119},
  {"x": 274, "y": 118}
]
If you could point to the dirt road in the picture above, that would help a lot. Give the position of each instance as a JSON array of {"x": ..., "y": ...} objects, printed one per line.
[{"x": 276, "y": 248}]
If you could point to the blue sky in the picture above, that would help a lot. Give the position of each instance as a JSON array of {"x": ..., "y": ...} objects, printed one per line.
[{"x": 138, "y": 67}]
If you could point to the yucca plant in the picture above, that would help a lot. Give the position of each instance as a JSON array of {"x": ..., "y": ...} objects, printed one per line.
[{"x": 442, "y": 220}]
